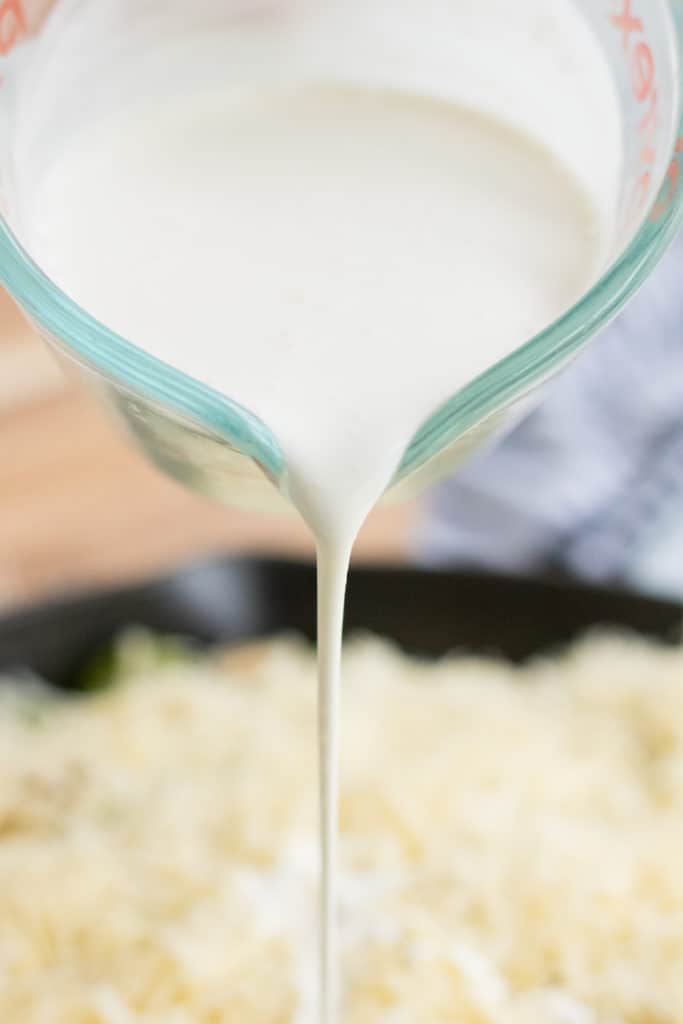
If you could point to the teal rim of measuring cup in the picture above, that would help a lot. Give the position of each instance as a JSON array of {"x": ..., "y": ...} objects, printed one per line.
[
  {"x": 127, "y": 366},
  {"x": 135, "y": 371},
  {"x": 528, "y": 365}
]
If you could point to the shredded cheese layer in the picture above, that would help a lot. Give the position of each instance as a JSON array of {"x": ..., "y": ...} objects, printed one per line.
[{"x": 512, "y": 841}]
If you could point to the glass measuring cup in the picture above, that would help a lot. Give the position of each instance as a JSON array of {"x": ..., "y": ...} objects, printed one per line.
[{"x": 65, "y": 62}]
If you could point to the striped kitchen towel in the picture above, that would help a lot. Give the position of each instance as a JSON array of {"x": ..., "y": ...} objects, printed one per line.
[{"x": 578, "y": 482}]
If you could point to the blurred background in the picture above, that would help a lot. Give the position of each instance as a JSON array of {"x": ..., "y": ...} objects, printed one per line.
[{"x": 80, "y": 507}]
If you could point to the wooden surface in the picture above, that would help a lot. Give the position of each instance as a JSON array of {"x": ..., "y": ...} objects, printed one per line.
[{"x": 80, "y": 507}]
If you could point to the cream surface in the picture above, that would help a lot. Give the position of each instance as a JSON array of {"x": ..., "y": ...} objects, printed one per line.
[{"x": 339, "y": 259}]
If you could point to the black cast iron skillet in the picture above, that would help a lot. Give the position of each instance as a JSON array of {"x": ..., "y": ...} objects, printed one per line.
[{"x": 235, "y": 599}]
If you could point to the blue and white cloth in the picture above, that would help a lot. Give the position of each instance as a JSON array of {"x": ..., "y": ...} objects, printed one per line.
[{"x": 581, "y": 483}]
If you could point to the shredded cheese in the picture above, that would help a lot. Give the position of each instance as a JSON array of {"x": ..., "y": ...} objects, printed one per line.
[{"x": 512, "y": 842}]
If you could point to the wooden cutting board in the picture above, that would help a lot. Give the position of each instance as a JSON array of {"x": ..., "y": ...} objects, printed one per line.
[{"x": 78, "y": 506}]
